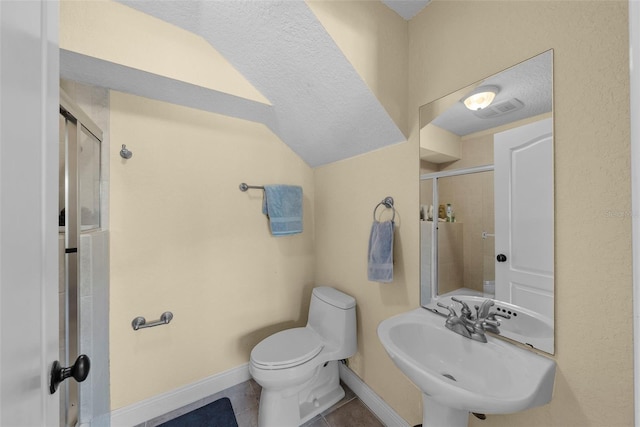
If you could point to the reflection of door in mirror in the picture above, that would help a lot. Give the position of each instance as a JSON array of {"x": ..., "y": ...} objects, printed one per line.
[{"x": 524, "y": 216}]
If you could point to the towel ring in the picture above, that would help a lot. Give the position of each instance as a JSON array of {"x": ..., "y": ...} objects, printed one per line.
[{"x": 387, "y": 203}]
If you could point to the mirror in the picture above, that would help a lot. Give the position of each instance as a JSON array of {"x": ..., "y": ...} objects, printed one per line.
[{"x": 486, "y": 199}]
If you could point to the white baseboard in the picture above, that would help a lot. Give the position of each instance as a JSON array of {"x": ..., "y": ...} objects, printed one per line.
[
  {"x": 383, "y": 411},
  {"x": 166, "y": 402}
]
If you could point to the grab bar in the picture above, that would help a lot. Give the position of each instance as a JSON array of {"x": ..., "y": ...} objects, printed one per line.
[{"x": 140, "y": 322}]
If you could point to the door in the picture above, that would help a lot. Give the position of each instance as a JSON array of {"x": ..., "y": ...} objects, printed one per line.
[
  {"x": 523, "y": 184},
  {"x": 28, "y": 211}
]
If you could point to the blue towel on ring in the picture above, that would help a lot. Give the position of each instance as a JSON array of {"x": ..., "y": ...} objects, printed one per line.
[
  {"x": 380, "y": 267},
  {"x": 283, "y": 206}
]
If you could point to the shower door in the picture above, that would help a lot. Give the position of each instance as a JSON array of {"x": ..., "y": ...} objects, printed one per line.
[{"x": 79, "y": 222}]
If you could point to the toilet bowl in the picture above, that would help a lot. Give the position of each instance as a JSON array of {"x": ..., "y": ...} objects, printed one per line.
[{"x": 298, "y": 368}]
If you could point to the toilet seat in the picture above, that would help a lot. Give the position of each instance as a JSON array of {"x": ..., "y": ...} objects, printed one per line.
[{"x": 286, "y": 349}]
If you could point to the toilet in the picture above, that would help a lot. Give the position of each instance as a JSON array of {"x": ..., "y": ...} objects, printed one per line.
[{"x": 298, "y": 368}]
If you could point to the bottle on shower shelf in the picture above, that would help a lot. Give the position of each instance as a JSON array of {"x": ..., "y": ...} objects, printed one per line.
[{"x": 450, "y": 216}]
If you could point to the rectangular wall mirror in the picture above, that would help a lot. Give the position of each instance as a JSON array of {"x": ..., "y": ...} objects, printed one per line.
[{"x": 486, "y": 199}]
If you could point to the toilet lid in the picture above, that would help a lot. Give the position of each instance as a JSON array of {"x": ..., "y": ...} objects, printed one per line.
[{"x": 287, "y": 348}]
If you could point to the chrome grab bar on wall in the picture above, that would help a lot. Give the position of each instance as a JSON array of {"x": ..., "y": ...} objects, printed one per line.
[{"x": 140, "y": 322}]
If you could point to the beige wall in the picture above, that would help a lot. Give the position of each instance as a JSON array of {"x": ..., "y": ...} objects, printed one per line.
[
  {"x": 450, "y": 47},
  {"x": 375, "y": 40},
  {"x": 184, "y": 238},
  {"x": 454, "y": 43},
  {"x": 117, "y": 33},
  {"x": 451, "y": 260},
  {"x": 346, "y": 193}
]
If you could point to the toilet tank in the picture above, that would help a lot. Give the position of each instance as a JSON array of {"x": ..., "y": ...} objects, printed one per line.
[{"x": 332, "y": 314}]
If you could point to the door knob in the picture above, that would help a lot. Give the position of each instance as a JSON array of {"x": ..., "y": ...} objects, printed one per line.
[
  {"x": 501, "y": 258},
  {"x": 79, "y": 371}
]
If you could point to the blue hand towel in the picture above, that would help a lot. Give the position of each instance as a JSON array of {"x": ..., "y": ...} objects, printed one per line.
[
  {"x": 283, "y": 206},
  {"x": 380, "y": 267}
]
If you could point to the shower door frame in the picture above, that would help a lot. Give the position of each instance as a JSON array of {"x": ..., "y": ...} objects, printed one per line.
[
  {"x": 75, "y": 122},
  {"x": 434, "y": 176},
  {"x": 634, "y": 125}
]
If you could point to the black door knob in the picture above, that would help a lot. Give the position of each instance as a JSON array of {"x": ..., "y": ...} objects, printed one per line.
[
  {"x": 501, "y": 257},
  {"x": 79, "y": 371}
]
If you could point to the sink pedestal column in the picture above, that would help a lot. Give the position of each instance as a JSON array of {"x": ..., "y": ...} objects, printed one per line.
[{"x": 437, "y": 415}]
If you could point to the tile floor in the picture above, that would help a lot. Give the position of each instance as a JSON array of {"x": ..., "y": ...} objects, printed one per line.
[{"x": 349, "y": 412}]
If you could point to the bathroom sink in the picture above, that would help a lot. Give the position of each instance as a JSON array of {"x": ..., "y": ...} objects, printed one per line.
[
  {"x": 458, "y": 375},
  {"x": 524, "y": 326}
]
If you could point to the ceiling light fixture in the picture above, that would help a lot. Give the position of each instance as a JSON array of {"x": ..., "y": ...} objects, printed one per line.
[{"x": 481, "y": 97}]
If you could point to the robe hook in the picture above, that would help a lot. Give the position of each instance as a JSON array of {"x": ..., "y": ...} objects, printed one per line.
[{"x": 125, "y": 153}]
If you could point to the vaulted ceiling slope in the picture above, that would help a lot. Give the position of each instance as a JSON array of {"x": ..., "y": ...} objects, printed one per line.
[
  {"x": 321, "y": 107},
  {"x": 407, "y": 8}
]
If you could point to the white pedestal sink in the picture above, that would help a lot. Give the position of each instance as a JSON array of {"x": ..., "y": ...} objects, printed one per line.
[{"x": 458, "y": 375}]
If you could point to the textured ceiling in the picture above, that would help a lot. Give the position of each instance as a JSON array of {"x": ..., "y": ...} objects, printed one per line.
[
  {"x": 407, "y": 8},
  {"x": 530, "y": 82},
  {"x": 321, "y": 107}
]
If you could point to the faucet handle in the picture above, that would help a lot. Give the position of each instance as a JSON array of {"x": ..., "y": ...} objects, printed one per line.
[
  {"x": 452, "y": 312},
  {"x": 483, "y": 311},
  {"x": 487, "y": 321},
  {"x": 466, "y": 311},
  {"x": 480, "y": 326}
]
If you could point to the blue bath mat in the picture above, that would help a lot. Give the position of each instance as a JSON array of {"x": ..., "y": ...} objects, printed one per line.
[{"x": 215, "y": 414}]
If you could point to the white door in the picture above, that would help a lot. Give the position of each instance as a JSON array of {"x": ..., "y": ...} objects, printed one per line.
[
  {"x": 28, "y": 211},
  {"x": 523, "y": 182}
]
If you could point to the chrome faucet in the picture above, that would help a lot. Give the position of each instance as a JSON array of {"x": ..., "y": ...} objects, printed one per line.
[
  {"x": 470, "y": 326},
  {"x": 455, "y": 322}
]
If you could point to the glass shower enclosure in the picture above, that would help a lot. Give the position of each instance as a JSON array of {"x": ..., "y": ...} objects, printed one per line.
[
  {"x": 457, "y": 232},
  {"x": 83, "y": 252}
]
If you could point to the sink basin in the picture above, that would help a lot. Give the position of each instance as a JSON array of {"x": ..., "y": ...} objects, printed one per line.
[{"x": 458, "y": 375}]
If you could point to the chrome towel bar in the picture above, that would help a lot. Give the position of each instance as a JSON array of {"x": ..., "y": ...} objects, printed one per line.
[
  {"x": 245, "y": 187},
  {"x": 140, "y": 322}
]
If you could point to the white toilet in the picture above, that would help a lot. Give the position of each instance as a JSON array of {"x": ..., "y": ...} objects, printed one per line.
[{"x": 298, "y": 368}]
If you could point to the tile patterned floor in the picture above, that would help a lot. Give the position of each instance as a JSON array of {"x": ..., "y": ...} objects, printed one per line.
[{"x": 349, "y": 412}]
